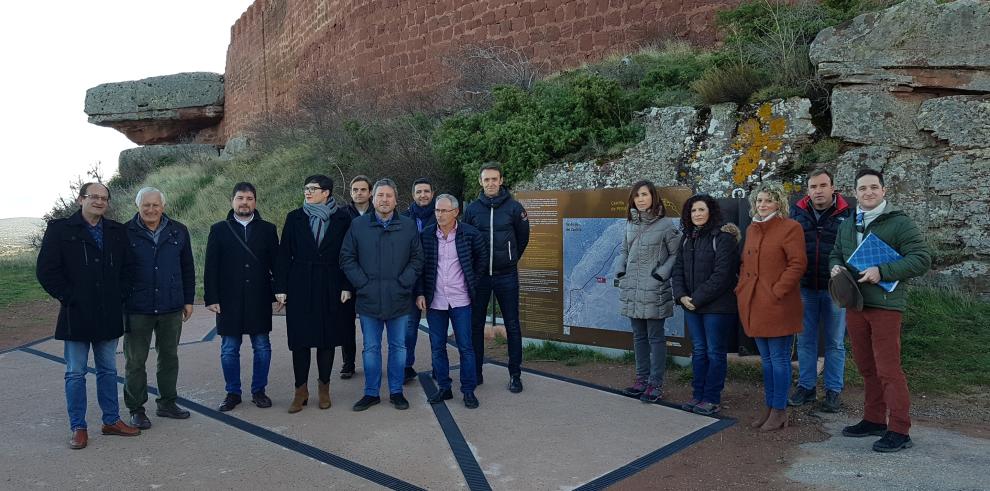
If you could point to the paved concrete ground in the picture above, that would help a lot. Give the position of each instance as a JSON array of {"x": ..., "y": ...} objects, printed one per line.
[
  {"x": 940, "y": 459},
  {"x": 557, "y": 434}
]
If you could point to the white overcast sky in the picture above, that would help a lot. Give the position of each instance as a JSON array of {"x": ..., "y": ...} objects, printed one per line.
[{"x": 52, "y": 51}]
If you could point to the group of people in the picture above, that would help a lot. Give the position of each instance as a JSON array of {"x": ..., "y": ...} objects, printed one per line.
[
  {"x": 335, "y": 263},
  {"x": 332, "y": 263},
  {"x": 777, "y": 286}
]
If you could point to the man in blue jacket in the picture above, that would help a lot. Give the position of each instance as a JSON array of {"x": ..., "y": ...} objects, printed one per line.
[
  {"x": 454, "y": 254},
  {"x": 503, "y": 221},
  {"x": 820, "y": 213},
  {"x": 163, "y": 284},
  {"x": 421, "y": 211},
  {"x": 382, "y": 257}
]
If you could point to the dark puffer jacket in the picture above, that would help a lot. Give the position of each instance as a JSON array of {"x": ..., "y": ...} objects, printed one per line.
[
  {"x": 472, "y": 254},
  {"x": 819, "y": 237},
  {"x": 162, "y": 275},
  {"x": 707, "y": 269},
  {"x": 382, "y": 264},
  {"x": 88, "y": 281},
  {"x": 503, "y": 221}
]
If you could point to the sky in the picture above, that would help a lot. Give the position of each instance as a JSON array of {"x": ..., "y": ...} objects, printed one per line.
[{"x": 52, "y": 51}]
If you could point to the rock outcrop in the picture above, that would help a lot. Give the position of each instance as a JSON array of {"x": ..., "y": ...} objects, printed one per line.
[
  {"x": 180, "y": 108},
  {"x": 715, "y": 151},
  {"x": 912, "y": 86}
]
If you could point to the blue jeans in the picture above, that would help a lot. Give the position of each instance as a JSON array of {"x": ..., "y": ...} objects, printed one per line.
[
  {"x": 821, "y": 311},
  {"x": 775, "y": 354},
  {"x": 438, "y": 320},
  {"x": 506, "y": 288},
  {"x": 709, "y": 333},
  {"x": 230, "y": 361},
  {"x": 104, "y": 357},
  {"x": 412, "y": 333},
  {"x": 371, "y": 330}
]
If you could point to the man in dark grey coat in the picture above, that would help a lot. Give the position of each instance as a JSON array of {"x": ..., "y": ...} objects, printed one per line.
[
  {"x": 237, "y": 287},
  {"x": 382, "y": 257}
]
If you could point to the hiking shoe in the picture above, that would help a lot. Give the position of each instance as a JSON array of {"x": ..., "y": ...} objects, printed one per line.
[
  {"x": 440, "y": 396},
  {"x": 892, "y": 441},
  {"x": 802, "y": 396},
  {"x": 366, "y": 402},
  {"x": 831, "y": 403},
  {"x": 171, "y": 410},
  {"x": 653, "y": 393},
  {"x": 347, "y": 372},
  {"x": 689, "y": 405},
  {"x": 409, "y": 375},
  {"x": 515, "y": 384},
  {"x": 637, "y": 388},
  {"x": 706, "y": 409},
  {"x": 261, "y": 399},
  {"x": 864, "y": 428},
  {"x": 229, "y": 402},
  {"x": 399, "y": 401}
]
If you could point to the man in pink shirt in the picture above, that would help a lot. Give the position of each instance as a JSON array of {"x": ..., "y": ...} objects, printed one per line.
[{"x": 455, "y": 254}]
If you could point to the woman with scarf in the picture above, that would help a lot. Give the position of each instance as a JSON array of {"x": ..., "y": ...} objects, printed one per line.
[
  {"x": 311, "y": 286},
  {"x": 705, "y": 272},
  {"x": 643, "y": 271},
  {"x": 769, "y": 296}
]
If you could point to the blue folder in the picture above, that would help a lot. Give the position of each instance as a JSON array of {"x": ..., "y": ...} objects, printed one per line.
[{"x": 873, "y": 251}]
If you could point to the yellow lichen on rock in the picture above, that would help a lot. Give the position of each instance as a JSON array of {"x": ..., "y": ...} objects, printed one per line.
[{"x": 754, "y": 138}]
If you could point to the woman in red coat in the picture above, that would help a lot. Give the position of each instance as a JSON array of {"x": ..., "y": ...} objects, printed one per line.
[{"x": 768, "y": 294}]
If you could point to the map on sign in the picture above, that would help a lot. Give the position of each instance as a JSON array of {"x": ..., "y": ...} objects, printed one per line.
[{"x": 590, "y": 248}]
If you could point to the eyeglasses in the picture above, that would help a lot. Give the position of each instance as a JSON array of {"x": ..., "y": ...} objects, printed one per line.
[
  {"x": 312, "y": 189},
  {"x": 96, "y": 197},
  {"x": 442, "y": 211}
]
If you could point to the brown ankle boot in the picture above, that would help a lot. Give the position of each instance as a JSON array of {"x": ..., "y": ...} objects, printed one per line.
[
  {"x": 757, "y": 423},
  {"x": 324, "y": 390},
  {"x": 300, "y": 399},
  {"x": 776, "y": 421}
]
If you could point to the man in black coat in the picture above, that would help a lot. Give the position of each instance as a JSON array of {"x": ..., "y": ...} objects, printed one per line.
[
  {"x": 421, "y": 211},
  {"x": 454, "y": 255},
  {"x": 163, "y": 284},
  {"x": 81, "y": 264},
  {"x": 504, "y": 222},
  {"x": 360, "y": 190},
  {"x": 383, "y": 258},
  {"x": 237, "y": 284}
]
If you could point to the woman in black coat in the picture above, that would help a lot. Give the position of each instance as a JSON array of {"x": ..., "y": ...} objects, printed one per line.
[
  {"x": 309, "y": 282},
  {"x": 705, "y": 274}
]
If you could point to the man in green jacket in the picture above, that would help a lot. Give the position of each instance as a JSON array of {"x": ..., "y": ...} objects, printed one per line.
[{"x": 875, "y": 331}]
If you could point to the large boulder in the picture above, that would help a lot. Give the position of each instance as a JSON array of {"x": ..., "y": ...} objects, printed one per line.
[
  {"x": 180, "y": 108},
  {"x": 916, "y": 43},
  {"x": 963, "y": 121},
  {"x": 873, "y": 115}
]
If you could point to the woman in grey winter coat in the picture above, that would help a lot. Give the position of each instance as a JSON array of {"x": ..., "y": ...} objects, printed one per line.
[{"x": 643, "y": 270}]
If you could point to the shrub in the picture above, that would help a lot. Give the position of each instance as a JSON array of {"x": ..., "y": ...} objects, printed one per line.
[
  {"x": 823, "y": 151},
  {"x": 733, "y": 83}
]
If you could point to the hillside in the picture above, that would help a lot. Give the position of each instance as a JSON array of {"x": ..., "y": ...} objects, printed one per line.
[{"x": 16, "y": 233}]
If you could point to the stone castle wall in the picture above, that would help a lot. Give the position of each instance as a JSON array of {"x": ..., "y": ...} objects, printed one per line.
[{"x": 392, "y": 48}]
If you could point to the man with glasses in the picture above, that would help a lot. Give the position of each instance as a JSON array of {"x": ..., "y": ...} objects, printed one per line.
[
  {"x": 383, "y": 258},
  {"x": 421, "y": 211},
  {"x": 455, "y": 254},
  {"x": 81, "y": 264},
  {"x": 163, "y": 284},
  {"x": 875, "y": 331}
]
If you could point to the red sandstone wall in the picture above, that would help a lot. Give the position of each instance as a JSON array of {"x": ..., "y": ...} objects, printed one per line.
[{"x": 389, "y": 48}]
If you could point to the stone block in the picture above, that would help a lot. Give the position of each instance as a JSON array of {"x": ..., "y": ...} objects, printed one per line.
[
  {"x": 873, "y": 115},
  {"x": 963, "y": 121}
]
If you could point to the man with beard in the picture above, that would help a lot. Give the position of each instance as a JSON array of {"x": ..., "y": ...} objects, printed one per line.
[
  {"x": 421, "y": 211},
  {"x": 237, "y": 287}
]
